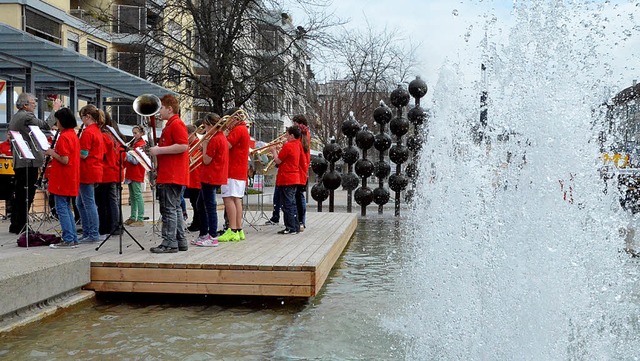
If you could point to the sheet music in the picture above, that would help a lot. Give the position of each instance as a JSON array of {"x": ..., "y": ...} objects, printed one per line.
[
  {"x": 115, "y": 135},
  {"x": 145, "y": 157},
  {"x": 21, "y": 144},
  {"x": 39, "y": 137}
]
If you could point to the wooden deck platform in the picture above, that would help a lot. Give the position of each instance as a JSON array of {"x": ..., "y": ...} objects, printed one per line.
[{"x": 265, "y": 264}]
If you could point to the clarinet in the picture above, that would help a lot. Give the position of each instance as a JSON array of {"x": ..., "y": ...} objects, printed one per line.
[{"x": 40, "y": 182}]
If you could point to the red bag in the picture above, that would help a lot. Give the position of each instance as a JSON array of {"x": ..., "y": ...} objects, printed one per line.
[{"x": 37, "y": 239}]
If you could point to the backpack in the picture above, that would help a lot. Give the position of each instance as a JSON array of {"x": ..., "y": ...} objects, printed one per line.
[{"x": 37, "y": 239}]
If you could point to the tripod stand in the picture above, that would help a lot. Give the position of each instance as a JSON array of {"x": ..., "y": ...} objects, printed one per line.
[{"x": 121, "y": 228}]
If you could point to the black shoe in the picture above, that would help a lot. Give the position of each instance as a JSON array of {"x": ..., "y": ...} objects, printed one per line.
[
  {"x": 270, "y": 223},
  {"x": 163, "y": 249},
  {"x": 183, "y": 249},
  {"x": 286, "y": 231},
  {"x": 193, "y": 228},
  {"x": 15, "y": 229}
]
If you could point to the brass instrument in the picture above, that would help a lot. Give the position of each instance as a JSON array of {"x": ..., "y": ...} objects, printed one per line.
[
  {"x": 147, "y": 106},
  {"x": 281, "y": 139},
  {"x": 277, "y": 142},
  {"x": 227, "y": 122}
]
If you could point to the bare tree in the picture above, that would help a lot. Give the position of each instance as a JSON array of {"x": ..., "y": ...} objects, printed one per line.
[
  {"x": 221, "y": 53},
  {"x": 366, "y": 66}
]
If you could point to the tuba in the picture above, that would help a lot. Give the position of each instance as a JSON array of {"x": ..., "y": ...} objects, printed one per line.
[{"x": 147, "y": 106}]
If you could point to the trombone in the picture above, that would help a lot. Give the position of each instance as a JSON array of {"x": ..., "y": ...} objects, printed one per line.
[
  {"x": 281, "y": 139},
  {"x": 227, "y": 122}
]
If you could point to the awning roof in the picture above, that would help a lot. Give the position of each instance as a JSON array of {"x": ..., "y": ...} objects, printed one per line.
[{"x": 54, "y": 66}]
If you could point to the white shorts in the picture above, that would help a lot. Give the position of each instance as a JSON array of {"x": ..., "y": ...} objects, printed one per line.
[{"x": 233, "y": 188}]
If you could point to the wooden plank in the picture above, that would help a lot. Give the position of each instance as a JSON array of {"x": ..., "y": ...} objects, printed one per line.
[
  {"x": 325, "y": 266},
  {"x": 201, "y": 276},
  {"x": 195, "y": 288}
]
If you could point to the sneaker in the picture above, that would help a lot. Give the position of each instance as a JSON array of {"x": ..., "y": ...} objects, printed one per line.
[
  {"x": 102, "y": 237},
  {"x": 137, "y": 224},
  {"x": 241, "y": 235},
  {"x": 199, "y": 239},
  {"x": 209, "y": 242},
  {"x": 64, "y": 245},
  {"x": 302, "y": 227},
  {"x": 229, "y": 236},
  {"x": 270, "y": 223},
  {"x": 163, "y": 249},
  {"x": 286, "y": 231},
  {"x": 193, "y": 228},
  {"x": 129, "y": 221}
]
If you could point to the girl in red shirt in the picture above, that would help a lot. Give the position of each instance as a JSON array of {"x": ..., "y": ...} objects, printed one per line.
[
  {"x": 134, "y": 178},
  {"x": 215, "y": 167},
  {"x": 64, "y": 175},
  {"x": 193, "y": 189},
  {"x": 107, "y": 189},
  {"x": 91, "y": 155},
  {"x": 305, "y": 160}
]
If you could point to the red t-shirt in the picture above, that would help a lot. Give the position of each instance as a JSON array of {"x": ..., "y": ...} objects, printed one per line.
[
  {"x": 239, "y": 152},
  {"x": 305, "y": 161},
  {"x": 289, "y": 169},
  {"x": 5, "y": 148},
  {"x": 91, "y": 167},
  {"x": 173, "y": 168},
  {"x": 110, "y": 161},
  {"x": 194, "y": 178},
  {"x": 135, "y": 172},
  {"x": 64, "y": 179},
  {"x": 215, "y": 173}
]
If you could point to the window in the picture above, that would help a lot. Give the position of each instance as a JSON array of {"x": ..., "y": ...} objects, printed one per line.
[
  {"x": 174, "y": 30},
  {"x": 174, "y": 75},
  {"x": 97, "y": 52},
  {"x": 73, "y": 41},
  {"x": 187, "y": 38},
  {"x": 42, "y": 26}
]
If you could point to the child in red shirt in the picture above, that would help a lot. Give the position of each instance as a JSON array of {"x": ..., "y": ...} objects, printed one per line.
[
  {"x": 288, "y": 177},
  {"x": 134, "y": 178},
  {"x": 64, "y": 175}
]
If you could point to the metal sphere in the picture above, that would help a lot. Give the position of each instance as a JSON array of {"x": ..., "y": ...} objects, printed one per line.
[
  {"x": 364, "y": 139},
  {"x": 399, "y": 153},
  {"x": 350, "y": 181},
  {"x": 382, "y": 142},
  {"x": 399, "y": 126},
  {"x": 381, "y": 196},
  {"x": 412, "y": 170},
  {"x": 399, "y": 97},
  {"x": 319, "y": 165},
  {"x": 418, "y": 88},
  {"x": 417, "y": 115},
  {"x": 382, "y": 170},
  {"x": 414, "y": 143},
  {"x": 350, "y": 154},
  {"x": 350, "y": 127},
  {"x": 364, "y": 168},
  {"x": 363, "y": 196},
  {"x": 398, "y": 182},
  {"x": 332, "y": 152},
  {"x": 331, "y": 180},
  {"x": 319, "y": 193},
  {"x": 382, "y": 114}
]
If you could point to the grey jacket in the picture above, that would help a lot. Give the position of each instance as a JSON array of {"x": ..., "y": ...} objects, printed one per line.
[{"x": 21, "y": 121}]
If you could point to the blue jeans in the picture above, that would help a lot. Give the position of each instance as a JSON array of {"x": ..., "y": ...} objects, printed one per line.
[
  {"x": 301, "y": 204},
  {"x": 277, "y": 204},
  {"x": 207, "y": 208},
  {"x": 65, "y": 216},
  {"x": 86, "y": 202},
  {"x": 172, "y": 220},
  {"x": 288, "y": 198}
]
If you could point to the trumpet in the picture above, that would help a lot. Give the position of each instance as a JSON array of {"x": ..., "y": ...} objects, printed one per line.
[{"x": 225, "y": 123}]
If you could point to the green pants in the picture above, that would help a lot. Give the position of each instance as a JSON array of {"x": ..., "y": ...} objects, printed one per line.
[{"x": 136, "y": 200}]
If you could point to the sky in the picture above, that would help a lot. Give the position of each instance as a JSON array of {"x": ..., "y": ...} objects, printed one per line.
[{"x": 451, "y": 30}]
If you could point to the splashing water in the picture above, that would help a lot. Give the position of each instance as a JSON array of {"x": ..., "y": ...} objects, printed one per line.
[{"x": 517, "y": 250}]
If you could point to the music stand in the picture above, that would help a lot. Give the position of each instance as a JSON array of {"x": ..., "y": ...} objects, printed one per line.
[
  {"x": 22, "y": 150},
  {"x": 123, "y": 149},
  {"x": 39, "y": 138}
]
